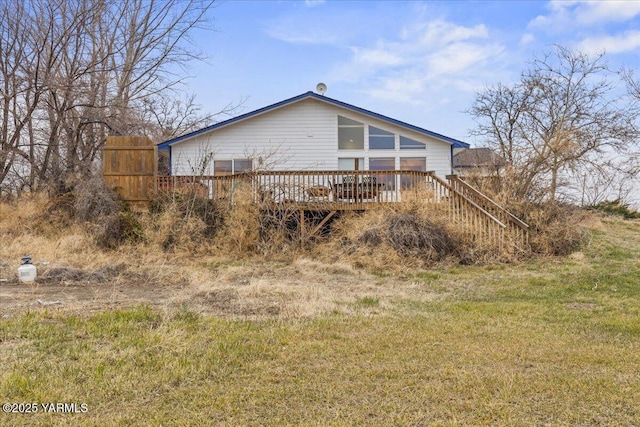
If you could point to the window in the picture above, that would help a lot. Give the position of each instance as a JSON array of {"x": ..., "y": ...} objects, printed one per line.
[
  {"x": 350, "y": 134},
  {"x": 242, "y": 165},
  {"x": 222, "y": 167},
  {"x": 412, "y": 164},
  {"x": 411, "y": 144},
  {"x": 229, "y": 167},
  {"x": 350, "y": 164},
  {"x": 381, "y": 139},
  {"x": 384, "y": 164}
]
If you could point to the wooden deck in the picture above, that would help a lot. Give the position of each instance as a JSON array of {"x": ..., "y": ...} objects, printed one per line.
[
  {"x": 129, "y": 166},
  {"x": 333, "y": 191}
]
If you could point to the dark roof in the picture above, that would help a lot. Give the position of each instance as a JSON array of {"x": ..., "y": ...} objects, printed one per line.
[
  {"x": 477, "y": 158},
  {"x": 457, "y": 144}
]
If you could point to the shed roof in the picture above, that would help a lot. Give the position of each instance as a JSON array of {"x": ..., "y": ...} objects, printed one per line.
[
  {"x": 477, "y": 158},
  {"x": 311, "y": 95}
]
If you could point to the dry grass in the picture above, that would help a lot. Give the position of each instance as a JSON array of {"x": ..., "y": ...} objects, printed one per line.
[
  {"x": 238, "y": 273},
  {"x": 149, "y": 337},
  {"x": 484, "y": 345}
]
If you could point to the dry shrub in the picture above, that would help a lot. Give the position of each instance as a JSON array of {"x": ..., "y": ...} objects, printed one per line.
[
  {"x": 96, "y": 208},
  {"x": 114, "y": 230},
  {"x": 556, "y": 229},
  {"x": 241, "y": 232},
  {"x": 189, "y": 204},
  {"x": 235, "y": 227},
  {"x": 20, "y": 208},
  {"x": 46, "y": 216},
  {"x": 409, "y": 235},
  {"x": 258, "y": 228},
  {"x": 94, "y": 200},
  {"x": 510, "y": 186},
  {"x": 280, "y": 232},
  {"x": 36, "y": 214},
  {"x": 183, "y": 220},
  {"x": 105, "y": 214},
  {"x": 59, "y": 210},
  {"x": 90, "y": 202}
]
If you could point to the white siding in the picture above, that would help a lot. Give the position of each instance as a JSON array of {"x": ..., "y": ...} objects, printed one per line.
[{"x": 298, "y": 136}]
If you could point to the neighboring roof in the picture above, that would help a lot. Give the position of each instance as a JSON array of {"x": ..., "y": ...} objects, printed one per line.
[
  {"x": 457, "y": 144},
  {"x": 477, "y": 158}
]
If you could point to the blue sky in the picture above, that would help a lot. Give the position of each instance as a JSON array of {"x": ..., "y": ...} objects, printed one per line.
[{"x": 419, "y": 62}]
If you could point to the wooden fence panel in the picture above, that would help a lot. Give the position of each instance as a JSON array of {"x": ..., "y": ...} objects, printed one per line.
[{"x": 129, "y": 167}]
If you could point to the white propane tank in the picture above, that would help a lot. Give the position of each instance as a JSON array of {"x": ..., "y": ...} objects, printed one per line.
[{"x": 27, "y": 272}]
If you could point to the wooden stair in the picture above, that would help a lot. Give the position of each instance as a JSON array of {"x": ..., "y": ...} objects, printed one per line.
[{"x": 481, "y": 217}]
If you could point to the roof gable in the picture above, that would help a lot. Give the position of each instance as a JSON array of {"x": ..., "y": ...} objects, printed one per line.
[{"x": 311, "y": 95}]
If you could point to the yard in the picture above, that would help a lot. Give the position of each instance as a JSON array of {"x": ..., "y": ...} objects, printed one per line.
[{"x": 553, "y": 341}]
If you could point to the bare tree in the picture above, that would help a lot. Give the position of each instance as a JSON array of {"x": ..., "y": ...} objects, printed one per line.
[
  {"x": 563, "y": 115},
  {"x": 23, "y": 85},
  {"x": 74, "y": 71},
  {"x": 164, "y": 117}
]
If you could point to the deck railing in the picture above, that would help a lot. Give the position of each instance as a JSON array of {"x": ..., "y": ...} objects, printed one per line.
[
  {"x": 517, "y": 229},
  {"x": 467, "y": 208},
  {"x": 355, "y": 190}
]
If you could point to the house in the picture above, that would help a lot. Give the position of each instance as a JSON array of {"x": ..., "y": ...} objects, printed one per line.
[
  {"x": 316, "y": 156},
  {"x": 479, "y": 161},
  {"x": 310, "y": 132}
]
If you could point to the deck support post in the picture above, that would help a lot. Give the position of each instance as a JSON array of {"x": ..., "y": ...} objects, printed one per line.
[{"x": 303, "y": 231}]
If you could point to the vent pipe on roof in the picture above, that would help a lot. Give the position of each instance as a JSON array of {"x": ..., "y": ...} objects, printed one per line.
[{"x": 321, "y": 88}]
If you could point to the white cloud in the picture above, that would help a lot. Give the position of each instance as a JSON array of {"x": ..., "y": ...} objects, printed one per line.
[
  {"x": 590, "y": 12},
  {"x": 595, "y": 26},
  {"x": 423, "y": 56},
  {"x": 402, "y": 90},
  {"x": 565, "y": 15},
  {"x": 310, "y": 35},
  {"x": 527, "y": 38},
  {"x": 442, "y": 32},
  {"x": 376, "y": 57},
  {"x": 620, "y": 43},
  {"x": 459, "y": 57},
  {"x": 319, "y": 26}
]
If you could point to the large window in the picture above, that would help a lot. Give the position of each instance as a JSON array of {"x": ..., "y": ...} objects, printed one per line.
[
  {"x": 350, "y": 134},
  {"x": 411, "y": 144},
  {"x": 229, "y": 167},
  {"x": 381, "y": 139},
  {"x": 412, "y": 164},
  {"x": 384, "y": 164}
]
